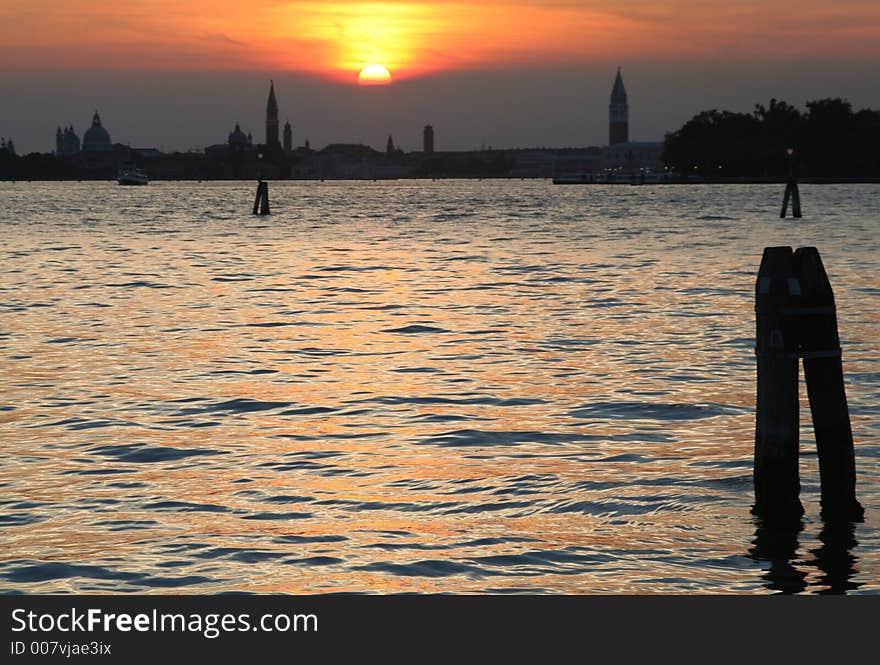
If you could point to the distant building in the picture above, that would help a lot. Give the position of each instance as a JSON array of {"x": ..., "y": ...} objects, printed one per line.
[
  {"x": 346, "y": 161},
  {"x": 7, "y": 146},
  {"x": 272, "y": 117},
  {"x": 217, "y": 151},
  {"x": 634, "y": 157},
  {"x": 147, "y": 153},
  {"x": 428, "y": 139},
  {"x": 66, "y": 142},
  {"x": 389, "y": 147},
  {"x": 96, "y": 138},
  {"x": 238, "y": 142},
  {"x": 623, "y": 156},
  {"x": 288, "y": 137},
  {"x": 618, "y": 113},
  {"x": 548, "y": 163}
]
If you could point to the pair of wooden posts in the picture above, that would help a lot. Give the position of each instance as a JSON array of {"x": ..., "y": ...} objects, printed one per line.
[
  {"x": 793, "y": 194},
  {"x": 796, "y": 318},
  {"x": 261, "y": 201}
]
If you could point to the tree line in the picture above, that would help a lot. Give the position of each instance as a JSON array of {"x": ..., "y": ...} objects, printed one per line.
[{"x": 828, "y": 139}]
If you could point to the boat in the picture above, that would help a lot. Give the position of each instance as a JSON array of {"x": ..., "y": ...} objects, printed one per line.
[
  {"x": 573, "y": 179},
  {"x": 130, "y": 174},
  {"x": 617, "y": 178},
  {"x": 611, "y": 178}
]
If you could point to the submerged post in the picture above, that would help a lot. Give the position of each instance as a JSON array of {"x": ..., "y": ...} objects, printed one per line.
[
  {"x": 776, "y": 476},
  {"x": 823, "y": 371}
]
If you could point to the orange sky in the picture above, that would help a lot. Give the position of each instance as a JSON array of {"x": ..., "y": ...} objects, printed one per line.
[{"x": 411, "y": 38}]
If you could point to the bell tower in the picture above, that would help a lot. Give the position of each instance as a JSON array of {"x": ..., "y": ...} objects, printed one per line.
[
  {"x": 618, "y": 113},
  {"x": 288, "y": 137},
  {"x": 272, "y": 117}
]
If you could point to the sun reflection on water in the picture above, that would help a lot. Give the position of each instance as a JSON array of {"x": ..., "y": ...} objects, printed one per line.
[{"x": 463, "y": 401}]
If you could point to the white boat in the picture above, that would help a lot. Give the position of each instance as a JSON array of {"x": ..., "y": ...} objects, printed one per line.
[{"x": 129, "y": 174}]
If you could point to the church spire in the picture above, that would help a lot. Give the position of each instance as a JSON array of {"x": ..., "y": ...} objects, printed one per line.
[
  {"x": 618, "y": 93},
  {"x": 288, "y": 137},
  {"x": 618, "y": 113},
  {"x": 272, "y": 104},
  {"x": 272, "y": 117}
]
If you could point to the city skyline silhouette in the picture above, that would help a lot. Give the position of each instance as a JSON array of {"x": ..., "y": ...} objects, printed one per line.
[{"x": 534, "y": 74}]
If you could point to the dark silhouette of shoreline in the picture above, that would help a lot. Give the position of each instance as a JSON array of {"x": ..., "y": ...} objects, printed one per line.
[{"x": 830, "y": 142}]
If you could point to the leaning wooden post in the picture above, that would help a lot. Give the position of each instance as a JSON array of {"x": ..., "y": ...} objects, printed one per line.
[
  {"x": 264, "y": 203},
  {"x": 776, "y": 476},
  {"x": 795, "y": 199},
  {"x": 258, "y": 196},
  {"x": 823, "y": 370},
  {"x": 261, "y": 200},
  {"x": 785, "y": 198}
]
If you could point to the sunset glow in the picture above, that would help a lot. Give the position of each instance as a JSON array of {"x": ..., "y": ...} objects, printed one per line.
[{"x": 337, "y": 40}]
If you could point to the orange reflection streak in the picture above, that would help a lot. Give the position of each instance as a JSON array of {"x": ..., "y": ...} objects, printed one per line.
[{"x": 312, "y": 489}]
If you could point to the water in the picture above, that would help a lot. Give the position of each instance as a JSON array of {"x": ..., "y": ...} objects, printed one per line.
[{"x": 498, "y": 386}]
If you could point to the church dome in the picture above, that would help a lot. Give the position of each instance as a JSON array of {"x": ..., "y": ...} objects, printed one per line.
[
  {"x": 96, "y": 138},
  {"x": 238, "y": 137}
]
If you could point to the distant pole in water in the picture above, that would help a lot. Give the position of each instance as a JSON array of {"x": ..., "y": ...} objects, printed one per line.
[
  {"x": 791, "y": 190},
  {"x": 261, "y": 201},
  {"x": 796, "y": 318}
]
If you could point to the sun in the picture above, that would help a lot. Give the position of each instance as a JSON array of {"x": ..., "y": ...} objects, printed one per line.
[{"x": 374, "y": 75}]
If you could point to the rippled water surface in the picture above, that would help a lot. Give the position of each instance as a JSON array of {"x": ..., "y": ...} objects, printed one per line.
[{"x": 497, "y": 386}]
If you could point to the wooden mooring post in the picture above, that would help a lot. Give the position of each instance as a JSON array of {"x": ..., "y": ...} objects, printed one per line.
[
  {"x": 261, "y": 200},
  {"x": 796, "y": 318},
  {"x": 792, "y": 192},
  {"x": 777, "y": 479},
  {"x": 823, "y": 371}
]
